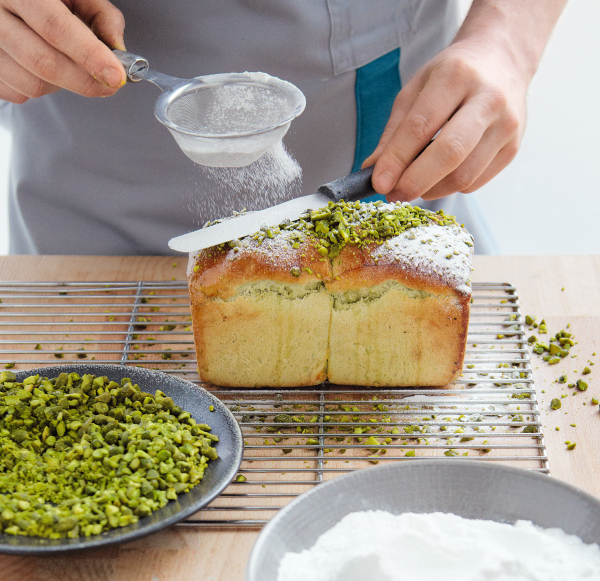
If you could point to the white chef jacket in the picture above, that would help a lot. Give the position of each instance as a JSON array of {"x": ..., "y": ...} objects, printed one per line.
[{"x": 102, "y": 176}]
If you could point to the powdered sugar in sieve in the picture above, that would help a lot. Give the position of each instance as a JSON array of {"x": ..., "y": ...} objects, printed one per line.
[{"x": 222, "y": 120}]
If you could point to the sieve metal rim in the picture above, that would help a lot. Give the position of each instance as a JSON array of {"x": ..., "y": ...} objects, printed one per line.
[{"x": 165, "y": 99}]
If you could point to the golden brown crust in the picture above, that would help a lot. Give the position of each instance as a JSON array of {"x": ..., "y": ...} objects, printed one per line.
[
  {"x": 359, "y": 267},
  {"x": 220, "y": 271}
]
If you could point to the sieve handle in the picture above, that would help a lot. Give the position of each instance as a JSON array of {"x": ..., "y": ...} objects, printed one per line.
[
  {"x": 138, "y": 68},
  {"x": 135, "y": 66}
]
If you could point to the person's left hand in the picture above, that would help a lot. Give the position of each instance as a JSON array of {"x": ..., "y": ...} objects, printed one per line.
[{"x": 474, "y": 96}]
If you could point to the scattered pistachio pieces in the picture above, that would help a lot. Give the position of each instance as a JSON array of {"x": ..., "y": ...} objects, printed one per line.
[
  {"x": 555, "y": 349},
  {"x": 9, "y": 365},
  {"x": 555, "y": 404},
  {"x": 581, "y": 385},
  {"x": 586, "y": 371},
  {"x": 571, "y": 445}
]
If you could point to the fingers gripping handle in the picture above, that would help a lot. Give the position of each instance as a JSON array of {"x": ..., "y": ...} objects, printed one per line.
[{"x": 350, "y": 188}]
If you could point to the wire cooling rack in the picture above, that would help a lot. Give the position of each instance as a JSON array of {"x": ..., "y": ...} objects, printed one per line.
[{"x": 295, "y": 439}]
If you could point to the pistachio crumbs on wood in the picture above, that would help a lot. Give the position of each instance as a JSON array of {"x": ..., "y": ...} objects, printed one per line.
[{"x": 359, "y": 293}]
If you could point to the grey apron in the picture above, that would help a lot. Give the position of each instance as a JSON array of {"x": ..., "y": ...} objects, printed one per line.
[{"x": 103, "y": 177}]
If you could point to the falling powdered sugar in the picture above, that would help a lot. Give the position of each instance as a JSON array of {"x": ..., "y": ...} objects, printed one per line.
[
  {"x": 380, "y": 546},
  {"x": 272, "y": 179}
]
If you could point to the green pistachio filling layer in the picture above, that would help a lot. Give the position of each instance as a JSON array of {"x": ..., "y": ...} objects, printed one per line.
[
  {"x": 356, "y": 223},
  {"x": 345, "y": 300},
  {"x": 270, "y": 288},
  {"x": 82, "y": 455}
]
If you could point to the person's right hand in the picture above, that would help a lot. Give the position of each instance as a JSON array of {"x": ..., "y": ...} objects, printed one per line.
[{"x": 46, "y": 45}]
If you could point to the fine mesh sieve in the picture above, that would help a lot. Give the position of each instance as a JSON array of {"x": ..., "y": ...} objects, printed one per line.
[{"x": 222, "y": 120}]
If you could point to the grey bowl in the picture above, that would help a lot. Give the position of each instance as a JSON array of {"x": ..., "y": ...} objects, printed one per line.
[
  {"x": 218, "y": 475},
  {"x": 471, "y": 489}
]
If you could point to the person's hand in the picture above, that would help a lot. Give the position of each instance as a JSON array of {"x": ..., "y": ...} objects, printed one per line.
[
  {"x": 474, "y": 94},
  {"x": 479, "y": 106},
  {"x": 46, "y": 45}
]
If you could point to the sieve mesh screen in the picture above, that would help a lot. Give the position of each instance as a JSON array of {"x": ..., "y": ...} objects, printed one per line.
[{"x": 229, "y": 108}]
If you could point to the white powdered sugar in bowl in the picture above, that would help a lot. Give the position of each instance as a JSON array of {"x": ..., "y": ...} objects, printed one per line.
[{"x": 380, "y": 546}]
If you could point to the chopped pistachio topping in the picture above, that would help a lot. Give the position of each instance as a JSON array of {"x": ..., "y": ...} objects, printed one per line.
[
  {"x": 83, "y": 455},
  {"x": 340, "y": 224}
]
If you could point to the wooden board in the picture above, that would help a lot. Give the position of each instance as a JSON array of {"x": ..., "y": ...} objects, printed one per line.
[{"x": 219, "y": 554}]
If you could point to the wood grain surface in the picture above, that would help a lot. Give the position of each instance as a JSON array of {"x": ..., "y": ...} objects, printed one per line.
[{"x": 563, "y": 290}]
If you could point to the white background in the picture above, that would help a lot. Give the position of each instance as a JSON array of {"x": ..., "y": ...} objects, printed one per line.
[{"x": 548, "y": 200}]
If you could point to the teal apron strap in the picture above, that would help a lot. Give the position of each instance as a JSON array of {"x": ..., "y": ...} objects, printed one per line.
[{"x": 377, "y": 85}]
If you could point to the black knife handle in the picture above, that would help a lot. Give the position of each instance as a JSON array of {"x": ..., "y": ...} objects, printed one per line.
[{"x": 350, "y": 188}]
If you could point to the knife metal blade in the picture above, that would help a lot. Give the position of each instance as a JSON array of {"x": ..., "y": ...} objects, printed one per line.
[{"x": 355, "y": 186}]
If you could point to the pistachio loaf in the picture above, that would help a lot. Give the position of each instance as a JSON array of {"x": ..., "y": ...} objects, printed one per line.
[{"x": 356, "y": 293}]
